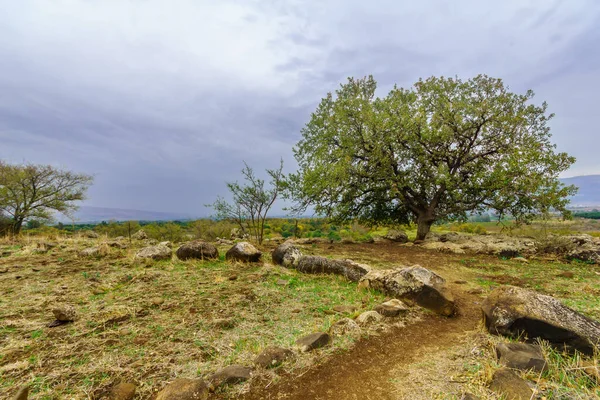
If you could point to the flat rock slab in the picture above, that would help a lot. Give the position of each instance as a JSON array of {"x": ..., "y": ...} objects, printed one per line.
[
  {"x": 510, "y": 385},
  {"x": 368, "y": 317},
  {"x": 184, "y": 389},
  {"x": 244, "y": 252},
  {"x": 515, "y": 312},
  {"x": 416, "y": 283},
  {"x": 392, "y": 308},
  {"x": 122, "y": 391},
  {"x": 313, "y": 341},
  {"x": 521, "y": 356},
  {"x": 230, "y": 375},
  {"x": 273, "y": 357}
]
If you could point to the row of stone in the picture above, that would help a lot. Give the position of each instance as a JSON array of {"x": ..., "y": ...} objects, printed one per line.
[{"x": 201, "y": 250}]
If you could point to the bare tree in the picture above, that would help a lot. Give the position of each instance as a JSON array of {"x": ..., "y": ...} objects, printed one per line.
[{"x": 251, "y": 201}]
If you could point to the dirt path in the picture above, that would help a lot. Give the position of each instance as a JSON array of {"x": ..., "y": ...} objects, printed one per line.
[{"x": 370, "y": 370}]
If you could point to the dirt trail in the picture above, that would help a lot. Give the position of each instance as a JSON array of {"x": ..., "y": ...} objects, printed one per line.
[{"x": 370, "y": 369}]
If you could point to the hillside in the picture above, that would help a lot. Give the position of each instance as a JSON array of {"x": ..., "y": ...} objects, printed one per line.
[
  {"x": 97, "y": 214},
  {"x": 589, "y": 190}
]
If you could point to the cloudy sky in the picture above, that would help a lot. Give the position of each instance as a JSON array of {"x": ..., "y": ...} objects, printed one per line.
[{"x": 163, "y": 100}]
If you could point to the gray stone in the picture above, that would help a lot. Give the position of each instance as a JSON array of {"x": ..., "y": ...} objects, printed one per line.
[
  {"x": 521, "y": 356},
  {"x": 91, "y": 235},
  {"x": 313, "y": 341},
  {"x": 90, "y": 252},
  {"x": 243, "y": 251},
  {"x": 273, "y": 357},
  {"x": 417, "y": 284},
  {"x": 516, "y": 312},
  {"x": 155, "y": 253},
  {"x": 140, "y": 235},
  {"x": 369, "y": 317},
  {"x": 286, "y": 254},
  {"x": 197, "y": 249},
  {"x": 184, "y": 389},
  {"x": 506, "y": 383},
  {"x": 392, "y": 308},
  {"x": 396, "y": 236}
]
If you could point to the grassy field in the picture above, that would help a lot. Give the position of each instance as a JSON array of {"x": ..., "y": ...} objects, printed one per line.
[{"x": 148, "y": 322}]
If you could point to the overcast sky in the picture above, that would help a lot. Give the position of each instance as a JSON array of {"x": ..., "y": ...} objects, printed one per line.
[{"x": 163, "y": 100}]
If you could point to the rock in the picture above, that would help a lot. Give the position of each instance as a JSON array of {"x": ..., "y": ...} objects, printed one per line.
[
  {"x": 392, "y": 308},
  {"x": 117, "y": 244},
  {"x": 343, "y": 327},
  {"x": 155, "y": 253},
  {"x": 417, "y": 284},
  {"x": 90, "y": 234},
  {"x": 90, "y": 252},
  {"x": 515, "y": 312},
  {"x": 22, "y": 393},
  {"x": 230, "y": 376},
  {"x": 167, "y": 244},
  {"x": 344, "y": 309},
  {"x": 313, "y": 341},
  {"x": 184, "y": 389},
  {"x": 522, "y": 260},
  {"x": 286, "y": 254},
  {"x": 521, "y": 356},
  {"x": 157, "y": 301},
  {"x": 119, "y": 238},
  {"x": 224, "y": 323},
  {"x": 140, "y": 235},
  {"x": 64, "y": 313},
  {"x": 197, "y": 249},
  {"x": 449, "y": 237},
  {"x": 396, "y": 236},
  {"x": 581, "y": 239},
  {"x": 505, "y": 382},
  {"x": 475, "y": 291},
  {"x": 273, "y": 357},
  {"x": 243, "y": 251},
  {"x": 368, "y": 317},
  {"x": 590, "y": 254},
  {"x": 320, "y": 265},
  {"x": 447, "y": 247},
  {"x": 48, "y": 245},
  {"x": 122, "y": 391}
]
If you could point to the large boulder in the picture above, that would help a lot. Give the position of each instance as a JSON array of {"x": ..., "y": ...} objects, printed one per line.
[
  {"x": 184, "y": 389},
  {"x": 90, "y": 234},
  {"x": 286, "y": 254},
  {"x": 353, "y": 271},
  {"x": 514, "y": 312},
  {"x": 416, "y": 284},
  {"x": 155, "y": 253},
  {"x": 243, "y": 251},
  {"x": 197, "y": 249},
  {"x": 396, "y": 236}
]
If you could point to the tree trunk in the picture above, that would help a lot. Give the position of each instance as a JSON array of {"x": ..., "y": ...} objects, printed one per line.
[
  {"x": 17, "y": 225},
  {"x": 423, "y": 226}
]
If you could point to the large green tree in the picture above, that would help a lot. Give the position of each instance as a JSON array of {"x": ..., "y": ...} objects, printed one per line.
[
  {"x": 38, "y": 191},
  {"x": 436, "y": 151}
]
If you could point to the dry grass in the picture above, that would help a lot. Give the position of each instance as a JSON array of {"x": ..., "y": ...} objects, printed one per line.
[{"x": 150, "y": 322}]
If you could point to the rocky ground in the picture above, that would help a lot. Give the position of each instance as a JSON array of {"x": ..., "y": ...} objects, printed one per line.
[{"x": 80, "y": 316}]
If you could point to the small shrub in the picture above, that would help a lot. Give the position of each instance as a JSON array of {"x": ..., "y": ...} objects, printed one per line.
[{"x": 552, "y": 244}]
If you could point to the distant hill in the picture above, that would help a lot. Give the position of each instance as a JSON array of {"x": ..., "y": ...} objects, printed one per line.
[
  {"x": 98, "y": 214},
  {"x": 589, "y": 190}
]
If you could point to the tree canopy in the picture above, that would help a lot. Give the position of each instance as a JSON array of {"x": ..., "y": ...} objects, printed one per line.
[
  {"x": 35, "y": 192},
  {"x": 436, "y": 151}
]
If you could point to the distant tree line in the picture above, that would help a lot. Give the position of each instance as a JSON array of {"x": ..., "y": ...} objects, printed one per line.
[{"x": 594, "y": 214}]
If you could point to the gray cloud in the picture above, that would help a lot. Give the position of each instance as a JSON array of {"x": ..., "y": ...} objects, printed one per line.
[{"x": 163, "y": 101}]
